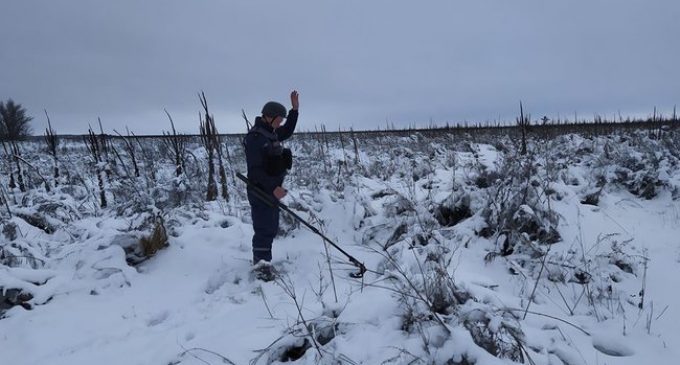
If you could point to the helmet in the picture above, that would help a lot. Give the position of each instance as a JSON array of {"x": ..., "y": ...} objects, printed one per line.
[{"x": 274, "y": 109}]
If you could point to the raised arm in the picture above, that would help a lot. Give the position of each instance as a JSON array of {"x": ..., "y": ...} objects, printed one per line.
[{"x": 286, "y": 131}]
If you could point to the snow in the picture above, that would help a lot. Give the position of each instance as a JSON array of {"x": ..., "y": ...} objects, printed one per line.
[{"x": 196, "y": 300}]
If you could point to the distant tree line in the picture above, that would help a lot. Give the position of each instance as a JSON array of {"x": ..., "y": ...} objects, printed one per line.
[{"x": 14, "y": 122}]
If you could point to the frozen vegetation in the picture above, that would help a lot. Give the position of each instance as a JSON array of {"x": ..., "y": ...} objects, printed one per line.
[{"x": 111, "y": 253}]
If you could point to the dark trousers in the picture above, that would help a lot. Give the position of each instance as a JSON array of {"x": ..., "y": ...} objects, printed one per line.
[{"x": 265, "y": 225}]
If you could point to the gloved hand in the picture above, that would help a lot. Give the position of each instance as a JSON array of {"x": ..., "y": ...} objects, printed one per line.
[{"x": 280, "y": 192}]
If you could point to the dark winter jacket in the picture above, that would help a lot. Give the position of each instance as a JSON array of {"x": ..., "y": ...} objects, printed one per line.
[{"x": 263, "y": 148}]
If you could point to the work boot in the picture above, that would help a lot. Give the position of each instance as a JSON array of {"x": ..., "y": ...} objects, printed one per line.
[{"x": 264, "y": 271}]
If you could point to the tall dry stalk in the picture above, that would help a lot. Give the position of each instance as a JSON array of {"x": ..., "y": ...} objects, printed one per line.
[
  {"x": 212, "y": 143},
  {"x": 177, "y": 144},
  {"x": 52, "y": 141},
  {"x": 94, "y": 145},
  {"x": 16, "y": 153}
]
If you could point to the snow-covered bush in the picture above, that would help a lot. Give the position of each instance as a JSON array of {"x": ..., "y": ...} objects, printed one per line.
[{"x": 518, "y": 210}]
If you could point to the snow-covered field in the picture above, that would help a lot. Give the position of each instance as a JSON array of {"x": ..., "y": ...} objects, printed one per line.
[{"x": 569, "y": 254}]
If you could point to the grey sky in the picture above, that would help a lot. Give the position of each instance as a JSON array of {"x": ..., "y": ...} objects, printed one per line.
[{"x": 355, "y": 62}]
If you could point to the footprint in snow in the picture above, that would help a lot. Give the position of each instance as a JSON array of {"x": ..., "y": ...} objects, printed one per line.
[
  {"x": 222, "y": 276},
  {"x": 216, "y": 281},
  {"x": 612, "y": 345},
  {"x": 158, "y": 319}
]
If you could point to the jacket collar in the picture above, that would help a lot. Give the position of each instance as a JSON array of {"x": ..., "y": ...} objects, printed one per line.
[{"x": 260, "y": 123}]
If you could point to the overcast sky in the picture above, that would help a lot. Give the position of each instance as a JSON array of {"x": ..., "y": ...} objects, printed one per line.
[{"x": 357, "y": 63}]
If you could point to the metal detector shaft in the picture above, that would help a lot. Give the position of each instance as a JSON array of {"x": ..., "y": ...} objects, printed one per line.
[{"x": 275, "y": 203}]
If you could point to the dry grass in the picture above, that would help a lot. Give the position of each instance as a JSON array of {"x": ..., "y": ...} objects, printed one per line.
[{"x": 156, "y": 241}]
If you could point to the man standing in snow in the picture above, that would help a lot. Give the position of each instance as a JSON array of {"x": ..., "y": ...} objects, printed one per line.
[{"x": 268, "y": 163}]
